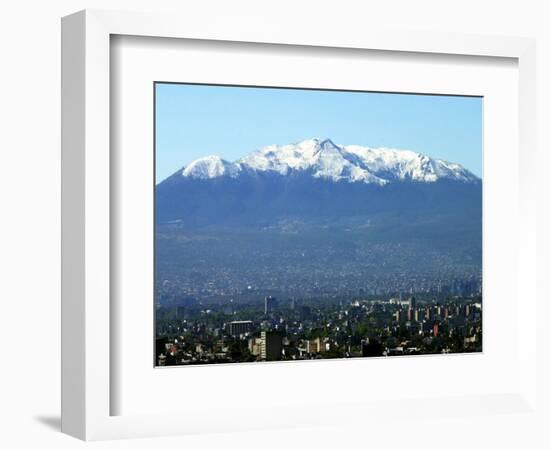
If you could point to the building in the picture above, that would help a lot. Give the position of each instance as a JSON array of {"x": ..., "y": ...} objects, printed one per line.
[
  {"x": 402, "y": 315},
  {"x": 270, "y": 304},
  {"x": 239, "y": 327},
  {"x": 315, "y": 346},
  {"x": 271, "y": 346},
  {"x": 428, "y": 313},
  {"x": 397, "y": 316},
  {"x": 162, "y": 360},
  {"x": 255, "y": 346},
  {"x": 412, "y": 311}
]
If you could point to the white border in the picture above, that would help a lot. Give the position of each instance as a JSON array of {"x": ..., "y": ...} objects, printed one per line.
[
  {"x": 86, "y": 218},
  {"x": 327, "y": 384}
]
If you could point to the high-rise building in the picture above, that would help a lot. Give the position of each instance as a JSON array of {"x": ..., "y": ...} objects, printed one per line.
[
  {"x": 428, "y": 313},
  {"x": 239, "y": 327},
  {"x": 270, "y": 304},
  {"x": 411, "y": 312},
  {"x": 272, "y": 346},
  {"x": 397, "y": 315}
]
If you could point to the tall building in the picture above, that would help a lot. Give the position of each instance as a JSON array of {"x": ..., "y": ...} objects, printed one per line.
[
  {"x": 411, "y": 312},
  {"x": 272, "y": 346},
  {"x": 270, "y": 304},
  {"x": 397, "y": 315},
  {"x": 239, "y": 327}
]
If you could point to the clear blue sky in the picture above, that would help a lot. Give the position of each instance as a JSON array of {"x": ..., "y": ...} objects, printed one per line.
[{"x": 194, "y": 121}]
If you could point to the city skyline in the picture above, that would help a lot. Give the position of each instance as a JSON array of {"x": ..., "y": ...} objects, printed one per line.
[{"x": 297, "y": 330}]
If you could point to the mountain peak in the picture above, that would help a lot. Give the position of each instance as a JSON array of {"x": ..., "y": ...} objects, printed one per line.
[{"x": 327, "y": 143}]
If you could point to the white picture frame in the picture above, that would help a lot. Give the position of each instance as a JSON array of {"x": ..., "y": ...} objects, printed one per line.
[{"x": 87, "y": 383}]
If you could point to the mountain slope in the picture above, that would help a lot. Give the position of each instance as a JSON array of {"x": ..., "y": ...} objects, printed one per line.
[
  {"x": 314, "y": 181},
  {"x": 315, "y": 218}
]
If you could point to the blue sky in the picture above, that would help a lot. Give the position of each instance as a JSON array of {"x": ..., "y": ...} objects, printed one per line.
[{"x": 194, "y": 121}]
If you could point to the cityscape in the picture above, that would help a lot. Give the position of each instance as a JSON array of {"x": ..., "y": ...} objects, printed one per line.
[
  {"x": 294, "y": 329},
  {"x": 295, "y": 225}
]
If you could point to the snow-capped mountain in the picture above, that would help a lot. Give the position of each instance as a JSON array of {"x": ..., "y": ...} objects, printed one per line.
[
  {"x": 211, "y": 167},
  {"x": 316, "y": 208},
  {"x": 324, "y": 159},
  {"x": 319, "y": 215},
  {"x": 317, "y": 181}
]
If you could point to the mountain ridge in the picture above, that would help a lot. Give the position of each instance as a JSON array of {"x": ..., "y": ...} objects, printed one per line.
[{"x": 323, "y": 159}]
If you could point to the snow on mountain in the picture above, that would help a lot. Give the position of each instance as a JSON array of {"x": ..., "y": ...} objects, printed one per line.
[
  {"x": 211, "y": 167},
  {"x": 394, "y": 165},
  {"x": 321, "y": 158},
  {"x": 324, "y": 159}
]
